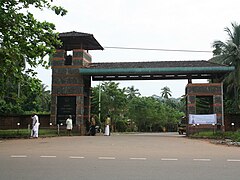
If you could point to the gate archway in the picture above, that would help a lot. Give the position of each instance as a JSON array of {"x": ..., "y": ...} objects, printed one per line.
[{"x": 73, "y": 69}]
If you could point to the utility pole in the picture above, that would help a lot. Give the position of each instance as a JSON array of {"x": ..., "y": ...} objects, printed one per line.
[
  {"x": 99, "y": 102},
  {"x": 19, "y": 87}
]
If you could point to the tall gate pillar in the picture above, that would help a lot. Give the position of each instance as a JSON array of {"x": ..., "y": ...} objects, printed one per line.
[
  {"x": 205, "y": 98},
  {"x": 71, "y": 90}
]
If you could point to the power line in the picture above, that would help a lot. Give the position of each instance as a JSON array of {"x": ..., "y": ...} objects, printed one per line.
[{"x": 156, "y": 49}]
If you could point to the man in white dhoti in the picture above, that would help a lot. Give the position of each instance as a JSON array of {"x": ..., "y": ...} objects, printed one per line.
[
  {"x": 107, "y": 126},
  {"x": 35, "y": 126},
  {"x": 69, "y": 125}
]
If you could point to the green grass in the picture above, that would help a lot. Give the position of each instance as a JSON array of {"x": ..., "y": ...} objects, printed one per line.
[
  {"x": 235, "y": 136},
  {"x": 25, "y": 133}
]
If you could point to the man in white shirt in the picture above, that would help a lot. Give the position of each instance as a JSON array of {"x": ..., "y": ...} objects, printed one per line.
[{"x": 69, "y": 125}]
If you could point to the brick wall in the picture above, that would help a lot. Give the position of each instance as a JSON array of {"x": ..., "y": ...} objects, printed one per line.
[{"x": 10, "y": 122}]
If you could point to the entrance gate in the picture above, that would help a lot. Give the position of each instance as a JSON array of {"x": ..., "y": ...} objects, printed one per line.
[{"x": 72, "y": 70}]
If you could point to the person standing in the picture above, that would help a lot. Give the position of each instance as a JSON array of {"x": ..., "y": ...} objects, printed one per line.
[
  {"x": 92, "y": 126},
  {"x": 35, "y": 126},
  {"x": 107, "y": 126},
  {"x": 69, "y": 125}
]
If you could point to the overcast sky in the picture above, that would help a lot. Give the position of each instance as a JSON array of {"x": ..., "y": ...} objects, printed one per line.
[{"x": 171, "y": 24}]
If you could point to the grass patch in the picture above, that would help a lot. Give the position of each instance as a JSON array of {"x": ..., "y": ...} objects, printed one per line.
[
  {"x": 14, "y": 133},
  {"x": 25, "y": 133},
  {"x": 234, "y": 136}
]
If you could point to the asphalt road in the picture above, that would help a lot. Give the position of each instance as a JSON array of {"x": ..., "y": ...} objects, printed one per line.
[{"x": 164, "y": 156}]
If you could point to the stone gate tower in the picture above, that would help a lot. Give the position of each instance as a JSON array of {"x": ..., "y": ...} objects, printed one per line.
[
  {"x": 211, "y": 95},
  {"x": 70, "y": 90}
]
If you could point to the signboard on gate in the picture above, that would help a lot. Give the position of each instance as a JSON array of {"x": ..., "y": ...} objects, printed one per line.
[{"x": 202, "y": 118}]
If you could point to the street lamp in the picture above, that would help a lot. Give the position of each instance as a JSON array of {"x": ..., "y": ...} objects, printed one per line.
[
  {"x": 213, "y": 127},
  {"x": 232, "y": 124},
  {"x": 18, "y": 124}
]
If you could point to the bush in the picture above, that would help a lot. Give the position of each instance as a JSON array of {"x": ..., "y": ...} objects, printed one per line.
[
  {"x": 121, "y": 125},
  {"x": 234, "y": 136}
]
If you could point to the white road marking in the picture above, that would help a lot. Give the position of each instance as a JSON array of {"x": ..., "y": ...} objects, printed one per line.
[
  {"x": 106, "y": 158},
  {"x": 138, "y": 158},
  {"x": 76, "y": 157},
  {"x": 18, "y": 156},
  {"x": 169, "y": 159},
  {"x": 131, "y": 158},
  {"x": 48, "y": 156},
  {"x": 233, "y": 160},
  {"x": 202, "y": 159}
]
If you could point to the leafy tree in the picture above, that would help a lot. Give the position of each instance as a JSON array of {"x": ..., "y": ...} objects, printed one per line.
[
  {"x": 45, "y": 98},
  {"x": 113, "y": 101},
  {"x": 27, "y": 96},
  {"x": 23, "y": 39},
  {"x": 150, "y": 114},
  {"x": 30, "y": 94},
  {"x": 95, "y": 99},
  {"x": 129, "y": 110},
  {"x": 229, "y": 53},
  {"x": 166, "y": 93}
]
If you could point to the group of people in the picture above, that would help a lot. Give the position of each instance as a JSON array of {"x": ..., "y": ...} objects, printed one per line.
[
  {"x": 92, "y": 126},
  {"x": 69, "y": 126}
]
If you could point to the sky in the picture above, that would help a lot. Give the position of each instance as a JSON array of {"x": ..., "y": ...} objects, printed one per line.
[{"x": 154, "y": 24}]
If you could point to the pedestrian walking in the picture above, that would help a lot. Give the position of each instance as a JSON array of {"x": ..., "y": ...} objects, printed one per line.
[{"x": 35, "y": 126}]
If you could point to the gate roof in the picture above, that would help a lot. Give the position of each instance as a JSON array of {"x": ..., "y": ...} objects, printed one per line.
[
  {"x": 78, "y": 40},
  {"x": 156, "y": 70}
]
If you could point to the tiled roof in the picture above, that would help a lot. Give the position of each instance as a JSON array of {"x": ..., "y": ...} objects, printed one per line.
[
  {"x": 156, "y": 70},
  {"x": 155, "y": 64},
  {"x": 78, "y": 40}
]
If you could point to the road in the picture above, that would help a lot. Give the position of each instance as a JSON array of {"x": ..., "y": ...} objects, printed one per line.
[{"x": 153, "y": 156}]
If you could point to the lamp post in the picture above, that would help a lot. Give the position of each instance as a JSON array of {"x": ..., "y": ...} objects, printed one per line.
[
  {"x": 213, "y": 128},
  {"x": 232, "y": 124},
  {"x": 194, "y": 128},
  {"x": 197, "y": 128},
  {"x": 18, "y": 124},
  {"x": 99, "y": 103}
]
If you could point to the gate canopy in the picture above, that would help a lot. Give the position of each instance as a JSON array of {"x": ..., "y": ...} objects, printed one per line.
[
  {"x": 78, "y": 40},
  {"x": 156, "y": 70}
]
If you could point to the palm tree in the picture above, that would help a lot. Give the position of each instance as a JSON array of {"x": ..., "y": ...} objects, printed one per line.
[
  {"x": 166, "y": 93},
  {"x": 132, "y": 92},
  {"x": 228, "y": 53}
]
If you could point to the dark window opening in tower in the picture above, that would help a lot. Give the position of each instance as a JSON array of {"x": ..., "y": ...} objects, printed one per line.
[{"x": 68, "y": 57}]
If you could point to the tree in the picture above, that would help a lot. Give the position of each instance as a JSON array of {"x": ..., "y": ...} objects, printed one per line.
[
  {"x": 28, "y": 96},
  {"x": 23, "y": 39},
  {"x": 229, "y": 53},
  {"x": 113, "y": 101},
  {"x": 128, "y": 112},
  {"x": 132, "y": 92},
  {"x": 45, "y": 98},
  {"x": 150, "y": 114},
  {"x": 166, "y": 93}
]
